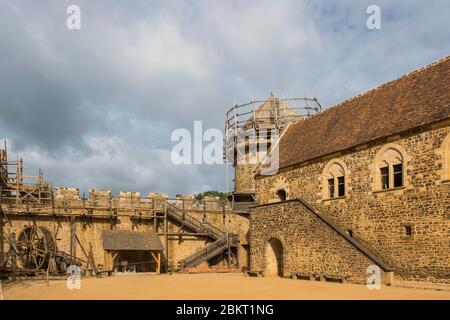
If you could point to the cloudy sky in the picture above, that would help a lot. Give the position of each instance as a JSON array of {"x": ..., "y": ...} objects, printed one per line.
[{"x": 95, "y": 107}]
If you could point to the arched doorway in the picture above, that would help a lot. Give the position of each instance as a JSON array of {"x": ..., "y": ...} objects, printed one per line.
[{"x": 274, "y": 258}]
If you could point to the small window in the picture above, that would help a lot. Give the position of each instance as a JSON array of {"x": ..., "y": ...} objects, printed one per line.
[
  {"x": 281, "y": 195},
  {"x": 341, "y": 186},
  {"x": 384, "y": 174},
  {"x": 408, "y": 231},
  {"x": 331, "y": 188},
  {"x": 398, "y": 175}
]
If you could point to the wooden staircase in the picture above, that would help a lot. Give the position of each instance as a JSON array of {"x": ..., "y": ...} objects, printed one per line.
[
  {"x": 192, "y": 223},
  {"x": 210, "y": 251},
  {"x": 223, "y": 241}
]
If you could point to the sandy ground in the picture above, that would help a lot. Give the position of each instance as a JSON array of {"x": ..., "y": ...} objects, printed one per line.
[{"x": 208, "y": 286}]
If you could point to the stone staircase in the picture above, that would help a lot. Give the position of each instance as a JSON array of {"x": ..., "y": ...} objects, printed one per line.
[{"x": 360, "y": 244}]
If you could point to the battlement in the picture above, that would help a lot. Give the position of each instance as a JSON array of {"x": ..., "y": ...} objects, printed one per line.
[{"x": 67, "y": 195}]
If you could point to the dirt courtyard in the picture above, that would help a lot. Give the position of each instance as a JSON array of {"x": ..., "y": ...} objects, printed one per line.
[{"x": 208, "y": 286}]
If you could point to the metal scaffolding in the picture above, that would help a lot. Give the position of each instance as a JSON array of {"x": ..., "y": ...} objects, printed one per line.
[{"x": 250, "y": 119}]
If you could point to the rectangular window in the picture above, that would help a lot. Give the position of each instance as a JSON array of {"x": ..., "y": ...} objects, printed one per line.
[
  {"x": 408, "y": 231},
  {"x": 331, "y": 188},
  {"x": 341, "y": 186},
  {"x": 398, "y": 175},
  {"x": 384, "y": 174}
]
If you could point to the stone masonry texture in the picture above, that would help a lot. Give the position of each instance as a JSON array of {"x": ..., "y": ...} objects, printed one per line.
[{"x": 376, "y": 217}]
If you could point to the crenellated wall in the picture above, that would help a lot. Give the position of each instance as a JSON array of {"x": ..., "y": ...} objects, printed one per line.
[{"x": 129, "y": 210}]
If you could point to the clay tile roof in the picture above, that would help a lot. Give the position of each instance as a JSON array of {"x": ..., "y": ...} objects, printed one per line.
[
  {"x": 131, "y": 240},
  {"x": 415, "y": 99}
]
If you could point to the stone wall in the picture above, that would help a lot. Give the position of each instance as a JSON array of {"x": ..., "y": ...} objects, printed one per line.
[
  {"x": 127, "y": 208},
  {"x": 244, "y": 178},
  {"x": 380, "y": 217},
  {"x": 309, "y": 245}
]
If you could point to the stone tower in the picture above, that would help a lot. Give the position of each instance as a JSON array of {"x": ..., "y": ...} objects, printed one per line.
[{"x": 251, "y": 129}]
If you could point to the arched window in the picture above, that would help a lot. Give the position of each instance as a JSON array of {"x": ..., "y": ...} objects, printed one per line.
[
  {"x": 389, "y": 169},
  {"x": 335, "y": 184}
]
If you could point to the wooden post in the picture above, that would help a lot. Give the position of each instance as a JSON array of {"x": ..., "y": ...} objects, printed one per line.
[
  {"x": 228, "y": 251},
  {"x": 182, "y": 201},
  {"x": 238, "y": 249},
  {"x": 40, "y": 184},
  {"x": 166, "y": 241},
  {"x": 113, "y": 257},
  {"x": 223, "y": 213},
  {"x": 91, "y": 258},
  {"x": 155, "y": 219},
  {"x": 2, "y": 235},
  {"x": 71, "y": 238},
  {"x": 158, "y": 263},
  {"x": 107, "y": 261},
  {"x": 48, "y": 283},
  {"x": 204, "y": 209},
  {"x": 110, "y": 203},
  {"x": 157, "y": 258},
  {"x": 53, "y": 200},
  {"x": 17, "y": 180},
  {"x": 1, "y": 290},
  {"x": 73, "y": 233}
]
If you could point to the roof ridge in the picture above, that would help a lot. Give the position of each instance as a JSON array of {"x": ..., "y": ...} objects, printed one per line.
[
  {"x": 421, "y": 69},
  {"x": 419, "y": 98}
]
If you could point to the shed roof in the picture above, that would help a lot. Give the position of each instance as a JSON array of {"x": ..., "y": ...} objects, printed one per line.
[{"x": 131, "y": 240}]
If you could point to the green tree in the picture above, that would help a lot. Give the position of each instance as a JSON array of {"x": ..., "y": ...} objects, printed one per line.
[{"x": 211, "y": 193}]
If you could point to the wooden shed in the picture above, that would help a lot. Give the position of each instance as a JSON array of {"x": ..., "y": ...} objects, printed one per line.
[{"x": 131, "y": 249}]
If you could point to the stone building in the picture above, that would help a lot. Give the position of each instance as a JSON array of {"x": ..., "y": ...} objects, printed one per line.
[{"x": 364, "y": 183}]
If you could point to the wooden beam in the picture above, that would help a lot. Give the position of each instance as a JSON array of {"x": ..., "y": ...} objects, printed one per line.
[
  {"x": 158, "y": 263},
  {"x": 92, "y": 261},
  {"x": 166, "y": 240},
  {"x": 115, "y": 255},
  {"x": 157, "y": 258},
  {"x": 153, "y": 255},
  {"x": 81, "y": 246},
  {"x": 107, "y": 258}
]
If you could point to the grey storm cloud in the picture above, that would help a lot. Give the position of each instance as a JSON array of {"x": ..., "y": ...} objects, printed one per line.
[{"x": 95, "y": 107}]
